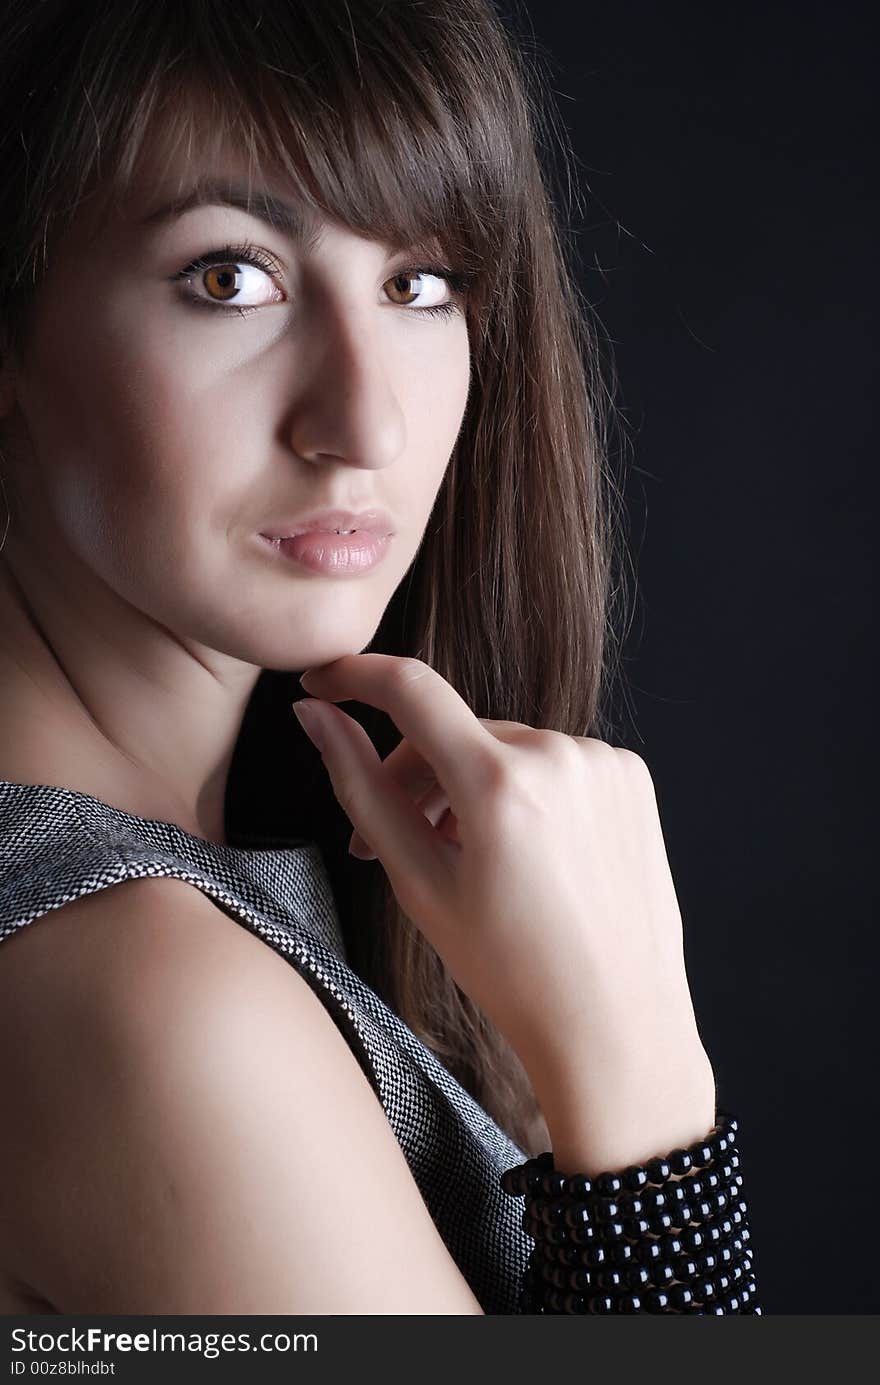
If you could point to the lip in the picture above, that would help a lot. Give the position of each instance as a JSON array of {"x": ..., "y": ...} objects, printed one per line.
[
  {"x": 374, "y": 521},
  {"x": 332, "y": 555}
]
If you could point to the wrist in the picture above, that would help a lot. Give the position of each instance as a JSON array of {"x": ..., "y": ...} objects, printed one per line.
[{"x": 608, "y": 1114}]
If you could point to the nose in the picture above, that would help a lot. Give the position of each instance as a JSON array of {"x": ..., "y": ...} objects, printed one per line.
[{"x": 350, "y": 406}]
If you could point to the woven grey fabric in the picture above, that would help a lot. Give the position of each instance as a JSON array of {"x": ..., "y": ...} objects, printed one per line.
[{"x": 57, "y": 844}]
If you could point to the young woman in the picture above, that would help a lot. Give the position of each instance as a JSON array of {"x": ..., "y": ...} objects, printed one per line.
[{"x": 270, "y": 274}]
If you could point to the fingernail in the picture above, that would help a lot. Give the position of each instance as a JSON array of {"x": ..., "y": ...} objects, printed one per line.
[{"x": 311, "y": 722}]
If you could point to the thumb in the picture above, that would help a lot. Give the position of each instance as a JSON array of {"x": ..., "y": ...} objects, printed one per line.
[{"x": 381, "y": 812}]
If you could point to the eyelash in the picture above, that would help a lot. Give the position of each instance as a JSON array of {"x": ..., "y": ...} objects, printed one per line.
[{"x": 458, "y": 280}]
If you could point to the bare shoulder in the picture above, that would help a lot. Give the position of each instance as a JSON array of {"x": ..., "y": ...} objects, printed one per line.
[
  {"x": 189, "y": 1130},
  {"x": 98, "y": 956}
]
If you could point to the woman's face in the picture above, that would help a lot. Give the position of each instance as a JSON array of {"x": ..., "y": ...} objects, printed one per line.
[{"x": 157, "y": 435}]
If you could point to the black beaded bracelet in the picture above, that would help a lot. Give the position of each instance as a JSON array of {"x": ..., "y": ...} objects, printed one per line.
[
  {"x": 709, "y": 1193},
  {"x": 708, "y": 1278},
  {"x": 667, "y": 1236}
]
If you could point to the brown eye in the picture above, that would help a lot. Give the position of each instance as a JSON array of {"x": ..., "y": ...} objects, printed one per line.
[
  {"x": 400, "y": 282},
  {"x": 230, "y": 282},
  {"x": 227, "y": 279},
  {"x": 403, "y": 282},
  {"x": 222, "y": 280}
]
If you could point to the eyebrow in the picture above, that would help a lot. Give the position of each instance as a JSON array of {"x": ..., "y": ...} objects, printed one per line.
[{"x": 300, "y": 226}]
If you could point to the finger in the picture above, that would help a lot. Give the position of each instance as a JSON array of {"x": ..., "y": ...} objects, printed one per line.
[
  {"x": 434, "y": 804},
  {"x": 415, "y": 776},
  {"x": 376, "y": 806},
  {"x": 428, "y": 712},
  {"x": 413, "y": 772}
]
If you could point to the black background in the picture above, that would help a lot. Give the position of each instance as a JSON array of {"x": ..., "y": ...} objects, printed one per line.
[{"x": 725, "y": 160}]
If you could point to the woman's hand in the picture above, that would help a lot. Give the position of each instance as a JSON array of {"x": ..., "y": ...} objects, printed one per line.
[{"x": 532, "y": 861}]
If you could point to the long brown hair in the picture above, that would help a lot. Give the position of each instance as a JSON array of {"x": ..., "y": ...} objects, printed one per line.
[{"x": 400, "y": 119}]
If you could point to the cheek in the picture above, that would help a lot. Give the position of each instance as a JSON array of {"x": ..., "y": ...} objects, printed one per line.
[
  {"x": 127, "y": 441},
  {"x": 437, "y": 398}
]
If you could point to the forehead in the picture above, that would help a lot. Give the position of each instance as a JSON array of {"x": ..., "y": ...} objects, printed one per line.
[{"x": 171, "y": 181}]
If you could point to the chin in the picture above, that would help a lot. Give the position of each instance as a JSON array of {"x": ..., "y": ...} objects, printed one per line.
[{"x": 314, "y": 654}]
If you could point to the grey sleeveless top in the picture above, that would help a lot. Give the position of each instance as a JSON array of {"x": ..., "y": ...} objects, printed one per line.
[{"x": 57, "y": 844}]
